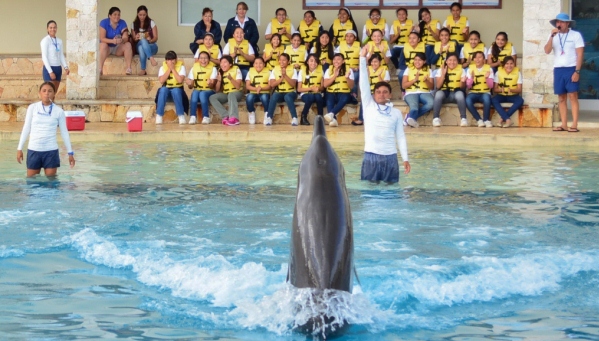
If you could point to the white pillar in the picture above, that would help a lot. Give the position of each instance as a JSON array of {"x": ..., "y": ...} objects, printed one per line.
[
  {"x": 537, "y": 67},
  {"x": 82, "y": 49}
]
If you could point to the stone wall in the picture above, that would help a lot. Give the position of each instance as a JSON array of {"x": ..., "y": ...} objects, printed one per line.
[{"x": 537, "y": 67}]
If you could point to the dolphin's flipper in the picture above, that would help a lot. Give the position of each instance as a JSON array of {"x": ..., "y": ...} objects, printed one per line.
[{"x": 355, "y": 273}]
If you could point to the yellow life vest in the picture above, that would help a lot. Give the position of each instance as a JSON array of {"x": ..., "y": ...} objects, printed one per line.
[
  {"x": 309, "y": 33},
  {"x": 340, "y": 30},
  {"x": 260, "y": 79},
  {"x": 371, "y": 26},
  {"x": 313, "y": 78},
  {"x": 469, "y": 51},
  {"x": 201, "y": 76},
  {"x": 351, "y": 54},
  {"x": 409, "y": 52},
  {"x": 276, "y": 26},
  {"x": 508, "y": 80},
  {"x": 374, "y": 75},
  {"x": 418, "y": 86},
  {"x": 456, "y": 28},
  {"x": 226, "y": 83},
  {"x": 274, "y": 55},
  {"x": 213, "y": 52},
  {"x": 427, "y": 36},
  {"x": 375, "y": 49},
  {"x": 506, "y": 51},
  {"x": 443, "y": 55},
  {"x": 245, "y": 47},
  {"x": 324, "y": 54},
  {"x": 171, "y": 81},
  {"x": 454, "y": 79},
  {"x": 479, "y": 84},
  {"x": 297, "y": 56},
  {"x": 284, "y": 86},
  {"x": 340, "y": 83},
  {"x": 404, "y": 30}
]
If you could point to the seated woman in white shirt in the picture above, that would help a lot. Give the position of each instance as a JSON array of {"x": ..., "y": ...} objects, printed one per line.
[{"x": 480, "y": 82}]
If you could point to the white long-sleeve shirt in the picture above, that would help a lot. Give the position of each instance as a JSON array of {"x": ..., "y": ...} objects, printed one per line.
[
  {"x": 383, "y": 132},
  {"x": 53, "y": 53},
  {"x": 40, "y": 126}
]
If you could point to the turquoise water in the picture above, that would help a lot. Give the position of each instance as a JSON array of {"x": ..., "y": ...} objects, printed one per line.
[{"x": 177, "y": 241}]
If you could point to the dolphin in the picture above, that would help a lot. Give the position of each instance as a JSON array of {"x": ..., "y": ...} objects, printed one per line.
[{"x": 322, "y": 243}]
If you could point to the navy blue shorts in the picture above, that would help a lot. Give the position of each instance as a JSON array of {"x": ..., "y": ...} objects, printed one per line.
[
  {"x": 378, "y": 168},
  {"x": 45, "y": 160},
  {"x": 562, "y": 80},
  {"x": 57, "y": 72}
]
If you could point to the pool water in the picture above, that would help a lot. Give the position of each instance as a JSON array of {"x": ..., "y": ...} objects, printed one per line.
[{"x": 172, "y": 241}]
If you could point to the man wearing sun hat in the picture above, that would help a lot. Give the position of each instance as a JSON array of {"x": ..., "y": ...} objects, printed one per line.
[{"x": 568, "y": 48}]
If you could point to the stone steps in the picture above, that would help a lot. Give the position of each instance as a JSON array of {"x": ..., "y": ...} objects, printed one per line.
[{"x": 115, "y": 110}]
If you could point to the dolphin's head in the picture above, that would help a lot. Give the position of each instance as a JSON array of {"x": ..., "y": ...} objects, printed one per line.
[{"x": 319, "y": 127}]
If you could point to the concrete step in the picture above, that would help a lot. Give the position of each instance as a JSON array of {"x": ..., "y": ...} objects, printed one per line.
[
  {"x": 25, "y": 87},
  {"x": 31, "y": 64},
  {"x": 114, "y": 110}
]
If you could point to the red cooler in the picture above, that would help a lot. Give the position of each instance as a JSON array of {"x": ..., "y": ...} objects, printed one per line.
[
  {"x": 134, "y": 120},
  {"x": 75, "y": 120}
]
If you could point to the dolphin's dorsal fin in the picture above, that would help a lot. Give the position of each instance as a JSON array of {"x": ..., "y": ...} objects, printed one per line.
[{"x": 319, "y": 127}]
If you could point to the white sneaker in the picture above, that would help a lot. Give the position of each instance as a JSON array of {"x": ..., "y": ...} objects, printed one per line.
[
  {"x": 329, "y": 117},
  {"x": 481, "y": 124},
  {"x": 206, "y": 120},
  {"x": 464, "y": 123},
  {"x": 252, "y": 118},
  {"x": 182, "y": 119},
  {"x": 158, "y": 119},
  {"x": 265, "y": 119},
  {"x": 412, "y": 122},
  {"x": 488, "y": 124},
  {"x": 193, "y": 120},
  {"x": 436, "y": 122},
  {"x": 268, "y": 121},
  {"x": 294, "y": 121},
  {"x": 333, "y": 123}
]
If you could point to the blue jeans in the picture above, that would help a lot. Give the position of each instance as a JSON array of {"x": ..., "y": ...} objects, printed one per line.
[
  {"x": 310, "y": 99},
  {"x": 446, "y": 96},
  {"x": 202, "y": 96},
  {"x": 244, "y": 72},
  {"x": 163, "y": 95},
  {"x": 414, "y": 101},
  {"x": 336, "y": 101},
  {"x": 145, "y": 50},
  {"x": 429, "y": 51},
  {"x": 397, "y": 57},
  {"x": 278, "y": 97},
  {"x": 250, "y": 99},
  {"x": 485, "y": 99},
  {"x": 354, "y": 90},
  {"x": 506, "y": 114}
]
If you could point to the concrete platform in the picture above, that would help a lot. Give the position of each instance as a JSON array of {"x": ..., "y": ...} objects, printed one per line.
[{"x": 343, "y": 135}]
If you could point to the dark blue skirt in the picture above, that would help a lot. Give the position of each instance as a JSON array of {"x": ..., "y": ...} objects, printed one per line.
[{"x": 378, "y": 168}]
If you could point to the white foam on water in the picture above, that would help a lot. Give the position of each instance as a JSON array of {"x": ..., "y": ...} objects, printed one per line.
[
  {"x": 10, "y": 253},
  {"x": 252, "y": 296},
  {"x": 10, "y": 216},
  {"x": 489, "y": 278},
  {"x": 291, "y": 308}
]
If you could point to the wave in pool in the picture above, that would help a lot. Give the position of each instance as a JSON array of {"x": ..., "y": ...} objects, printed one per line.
[{"x": 252, "y": 297}]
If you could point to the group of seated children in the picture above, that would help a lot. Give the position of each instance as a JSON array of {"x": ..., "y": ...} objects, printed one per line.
[{"x": 435, "y": 64}]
